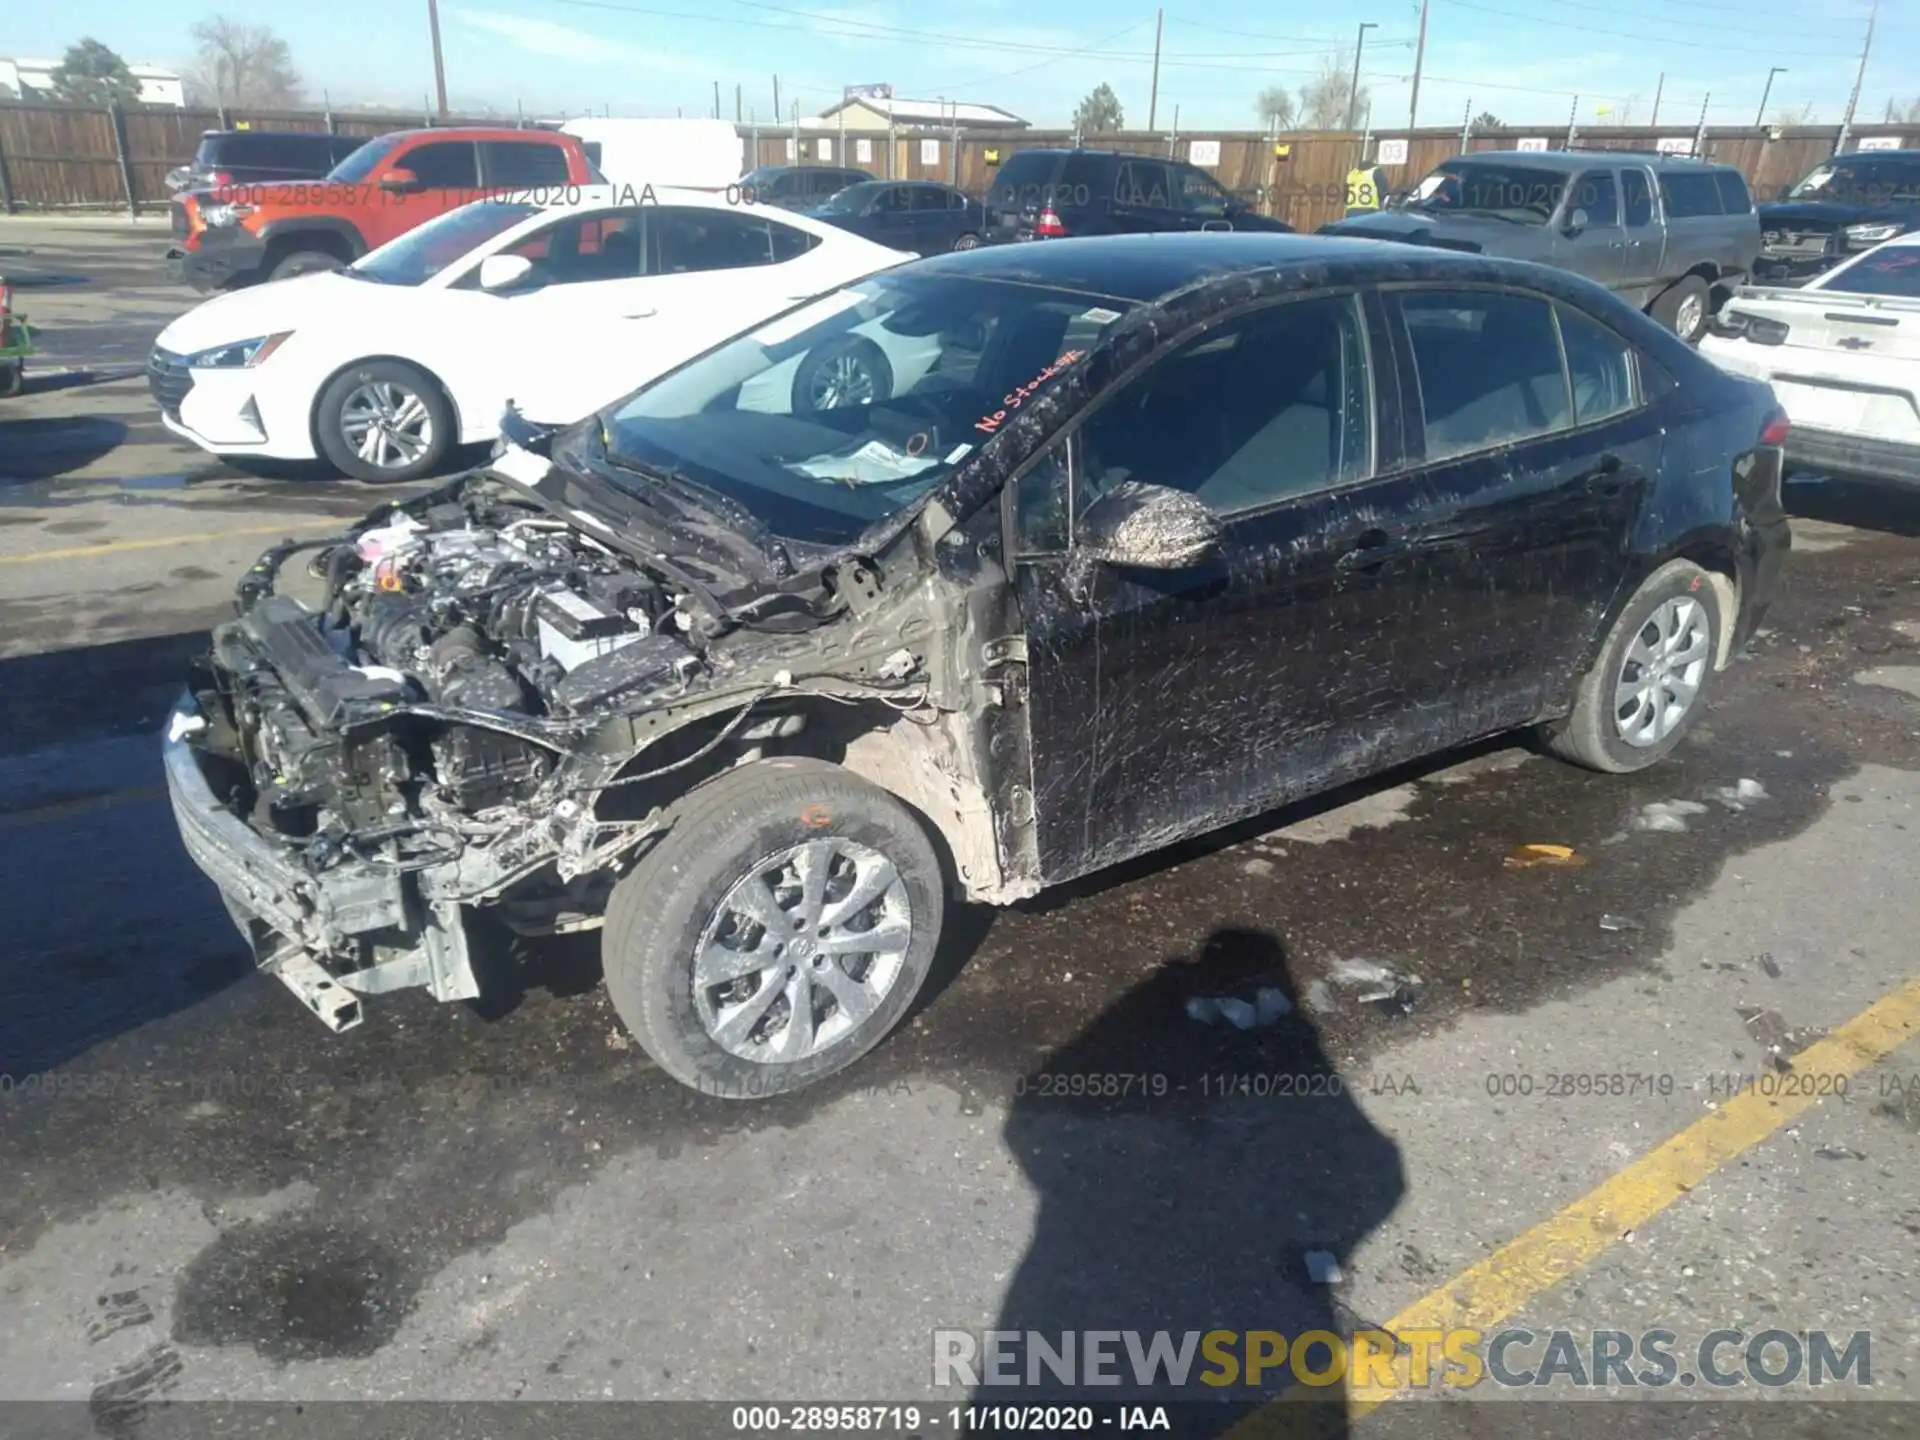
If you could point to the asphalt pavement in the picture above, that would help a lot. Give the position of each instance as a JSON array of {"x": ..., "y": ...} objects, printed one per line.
[{"x": 205, "y": 1195}]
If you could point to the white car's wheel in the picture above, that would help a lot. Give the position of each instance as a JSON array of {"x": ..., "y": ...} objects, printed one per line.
[{"x": 384, "y": 420}]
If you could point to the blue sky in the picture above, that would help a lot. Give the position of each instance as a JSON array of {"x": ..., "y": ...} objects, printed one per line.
[{"x": 1522, "y": 59}]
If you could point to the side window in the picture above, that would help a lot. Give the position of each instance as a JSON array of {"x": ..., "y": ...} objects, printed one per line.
[
  {"x": 827, "y": 182},
  {"x": 1200, "y": 193},
  {"x": 604, "y": 245},
  {"x": 927, "y": 197},
  {"x": 692, "y": 240},
  {"x": 1268, "y": 406},
  {"x": 1689, "y": 195},
  {"x": 1042, "y": 503},
  {"x": 442, "y": 165},
  {"x": 897, "y": 201},
  {"x": 1593, "y": 192},
  {"x": 1144, "y": 182},
  {"x": 524, "y": 163},
  {"x": 1080, "y": 181},
  {"x": 1489, "y": 368},
  {"x": 1734, "y": 198},
  {"x": 1600, "y": 365},
  {"x": 1636, "y": 196}
]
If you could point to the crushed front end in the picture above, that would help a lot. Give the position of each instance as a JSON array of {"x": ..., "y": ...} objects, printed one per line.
[{"x": 435, "y": 733}]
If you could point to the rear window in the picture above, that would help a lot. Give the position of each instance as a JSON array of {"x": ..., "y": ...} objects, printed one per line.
[
  {"x": 525, "y": 163},
  {"x": 1734, "y": 198},
  {"x": 305, "y": 152},
  {"x": 1890, "y": 270},
  {"x": 1688, "y": 195}
]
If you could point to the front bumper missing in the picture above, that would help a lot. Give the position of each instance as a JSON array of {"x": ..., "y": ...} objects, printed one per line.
[{"x": 309, "y": 928}]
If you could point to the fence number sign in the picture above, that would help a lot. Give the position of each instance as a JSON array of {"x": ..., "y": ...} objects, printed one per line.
[
  {"x": 1674, "y": 145},
  {"x": 929, "y": 152},
  {"x": 823, "y": 148},
  {"x": 1880, "y": 142},
  {"x": 1391, "y": 152},
  {"x": 1203, "y": 152},
  {"x": 1531, "y": 142},
  {"x": 863, "y": 151}
]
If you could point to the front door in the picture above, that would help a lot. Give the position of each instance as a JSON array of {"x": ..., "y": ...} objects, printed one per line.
[
  {"x": 1589, "y": 240},
  {"x": 446, "y": 176},
  {"x": 1645, "y": 259}
]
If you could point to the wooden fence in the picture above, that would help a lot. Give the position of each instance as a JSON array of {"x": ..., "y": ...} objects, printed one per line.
[{"x": 59, "y": 157}]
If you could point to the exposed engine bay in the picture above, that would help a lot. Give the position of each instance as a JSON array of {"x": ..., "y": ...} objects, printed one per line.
[{"x": 446, "y": 727}]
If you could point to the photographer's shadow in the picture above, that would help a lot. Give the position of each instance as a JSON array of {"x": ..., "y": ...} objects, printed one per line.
[{"x": 1190, "y": 1200}]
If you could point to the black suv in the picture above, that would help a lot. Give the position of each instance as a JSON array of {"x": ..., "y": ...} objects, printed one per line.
[
  {"x": 1843, "y": 206},
  {"x": 798, "y": 187},
  {"x": 249, "y": 157},
  {"x": 1051, "y": 194}
]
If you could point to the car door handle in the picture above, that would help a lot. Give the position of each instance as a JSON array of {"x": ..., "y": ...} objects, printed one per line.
[
  {"x": 638, "y": 314},
  {"x": 1608, "y": 477},
  {"x": 1371, "y": 548}
]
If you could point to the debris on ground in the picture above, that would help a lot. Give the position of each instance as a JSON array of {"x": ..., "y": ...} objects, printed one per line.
[
  {"x": 1386, "y": 990},
  {"x": 1770, "y": 965},
  {"x": 1667, "y": 816},
  {"x": 1319, "y": 997},
  {"x": 1778, "y": 1041},
  {"x": 1258, "y": 866},
  {"x": 1838, "y": 1152},
  {"x": 1738, "y": 797},
  {"x": 1323, "y": 1269},
  {"x": 1530, "y": 855},
  {"x": 1270, "y": 1003},
  {"x": 1620, "y": 922}
]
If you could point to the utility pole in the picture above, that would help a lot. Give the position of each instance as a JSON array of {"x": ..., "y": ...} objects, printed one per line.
[
  {"x": 1153, "y": 95},
  {"x": 1760, "y": 116},
  {"x": 716, "y": 99},
  {"x": 439, "y": 66},
  {"x": 777, "y": 112},
  {"x": 1573, "y": 122},
  {"x": 1466, "y": 127},
  {"x": 1353, "y": 90},
  {"x": 1657, "y": 90},
  {"x": 1700, "y": 134},
  {"x": 736, "y": 103},
  {"x": 1846, "y": 125},
  {"x": 1419, "y": 57}
]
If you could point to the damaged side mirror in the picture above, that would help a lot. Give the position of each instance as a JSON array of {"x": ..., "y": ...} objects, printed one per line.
[{"x": 1151, "y": 527}]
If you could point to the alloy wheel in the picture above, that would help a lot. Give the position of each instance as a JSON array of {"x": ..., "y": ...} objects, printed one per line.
[
  {"x": 386, "y": 424},
  {"x": 1660, "y": 676},
  {"x": 844, "y": 380},
  {"x": 1687, "y": 319},
  {"x": 802, "y": 951}
]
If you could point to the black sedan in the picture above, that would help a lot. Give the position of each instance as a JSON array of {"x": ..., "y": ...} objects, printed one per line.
[
  {"x": 915, "y": 215},
  {"x": 962, "y": 581}
]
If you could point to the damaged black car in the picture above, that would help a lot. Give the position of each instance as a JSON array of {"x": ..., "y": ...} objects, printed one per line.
[{"x": 970, "y": 578}]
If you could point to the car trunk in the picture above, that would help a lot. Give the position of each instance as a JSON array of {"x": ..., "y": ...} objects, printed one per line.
[{"x": 1847, "y": 363}]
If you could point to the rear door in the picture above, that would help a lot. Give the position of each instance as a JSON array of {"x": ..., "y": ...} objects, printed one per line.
[
  {"x": 932, "y": 219},
  {"x": 1146, "y": 198},
  {"x": 1642, "y": 264},
  {"x": 1537, "y": 449},
  {"x": 889, "y": 219},
  {"x": 520, "y": 166}
]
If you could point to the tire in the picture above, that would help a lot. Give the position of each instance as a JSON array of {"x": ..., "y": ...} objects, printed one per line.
[
  {"x": 305, "y": 262},
  {"x": 1683, "y": 307},
  {"x": 851, "y": 371},
  {"x": 1597, "y": 735},
  {"x": 370, "y": 408},
  {"x": 13, "y": 379},
  {"x": 966, "y": 241},
  {"x": 690, "y": 895}
]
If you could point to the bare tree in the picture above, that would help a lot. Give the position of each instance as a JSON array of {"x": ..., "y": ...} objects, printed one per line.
[
  {"x": 1793, "y": 115},
  {"x": 1487, "y": 120},
  {"x": 1324, "y": 99},
  {"x": 1907, "y": 113},
  {"x": 1275, "y": 105},
  {"x": 240, "y": 64}
]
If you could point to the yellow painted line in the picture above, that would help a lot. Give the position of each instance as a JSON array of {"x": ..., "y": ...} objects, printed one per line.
[
  {"x": 1494, "y": 1289},
  {"x": 80, "y": 805},
  {"x": 157, "y": 542}
]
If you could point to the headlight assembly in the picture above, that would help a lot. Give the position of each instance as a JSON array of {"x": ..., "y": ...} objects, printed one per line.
[
  {"x": 225, "y": 213},
  {"x": 239, "y": 354},
  {"x": 1871, "y": 234}
]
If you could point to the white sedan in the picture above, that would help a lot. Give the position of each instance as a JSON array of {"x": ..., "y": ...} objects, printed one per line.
[
  {"x": 383, "y": 367},
  {"x": 1843, "y": 356}
]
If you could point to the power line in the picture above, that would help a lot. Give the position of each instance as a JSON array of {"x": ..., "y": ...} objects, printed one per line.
[
  {"x": 1642, "y": 38},
  {"x": 1037, "y": 65},
  {"x": 1716, "y": 26}
]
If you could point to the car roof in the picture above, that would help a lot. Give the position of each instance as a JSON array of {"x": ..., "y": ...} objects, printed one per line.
[
  {"x": 1150, "y": 267},
  {"x": 1911, "y": 155},
  {"x": 1582, "y": 159}
]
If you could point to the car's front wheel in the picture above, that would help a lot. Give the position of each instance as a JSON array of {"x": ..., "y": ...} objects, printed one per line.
[
  {"x": 305, "y": 262},
  {"x": 966, "y": 241},
  {"x": 1650, "y": 682},
  {"x": 777, "y": 932},
  {"x": 384, "y": 420}
]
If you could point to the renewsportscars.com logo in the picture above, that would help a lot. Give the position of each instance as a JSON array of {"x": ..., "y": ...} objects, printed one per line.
[{"x": 1511, "y": 1358}]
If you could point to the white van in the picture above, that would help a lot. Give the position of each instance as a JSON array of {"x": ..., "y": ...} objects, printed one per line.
[{"x": 702, "y": 154}]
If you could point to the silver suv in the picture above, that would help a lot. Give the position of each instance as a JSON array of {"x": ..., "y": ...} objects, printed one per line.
[{"x": 1670, "y": 234}]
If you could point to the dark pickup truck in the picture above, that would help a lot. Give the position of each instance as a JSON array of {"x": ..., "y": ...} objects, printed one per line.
[
  {"x": 1671, "y": 235},
  {"x": 1843, "y": 206}
]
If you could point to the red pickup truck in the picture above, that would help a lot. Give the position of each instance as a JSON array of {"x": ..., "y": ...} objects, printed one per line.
[{"x": 240, "y": 234}]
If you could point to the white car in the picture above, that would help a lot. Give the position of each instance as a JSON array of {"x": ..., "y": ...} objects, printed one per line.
[
  {"x": 1843, "y": 356},
  {"x": 383, "y": 367}
]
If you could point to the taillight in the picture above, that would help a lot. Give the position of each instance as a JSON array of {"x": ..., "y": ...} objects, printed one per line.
[
  {"x": 220, "y": 177},
  {"x": 1048, "y": 226},
  {"x": 1774, "y": 432},
  {"x": 6, "y": 298}
]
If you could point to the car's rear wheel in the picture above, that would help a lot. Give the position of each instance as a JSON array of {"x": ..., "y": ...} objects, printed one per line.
[
  {"x": 13, "y": 379},
  {"x": 384, "y": 420},
  {"x": 1683, "y": 308},
  {"x": 304, "y": 262},
  {"x": 777, "y": 932},
  {"x": 1650, "y": 682},
  {"x": 965, "y": 242}
]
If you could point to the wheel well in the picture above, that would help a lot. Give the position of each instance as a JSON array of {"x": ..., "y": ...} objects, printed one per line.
[
  {"x": 331, "y": 242},
  {"x": 320, "y": 391}
]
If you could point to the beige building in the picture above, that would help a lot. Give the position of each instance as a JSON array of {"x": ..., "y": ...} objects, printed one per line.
[{"x": 872, "y": 113}]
